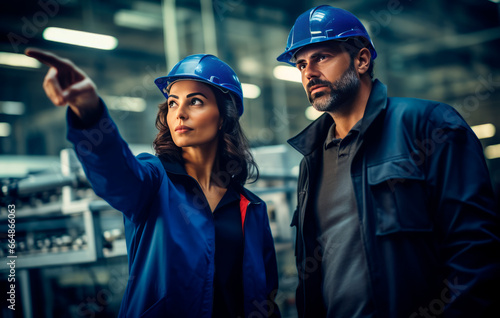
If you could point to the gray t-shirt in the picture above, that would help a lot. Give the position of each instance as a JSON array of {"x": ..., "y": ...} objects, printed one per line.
[{"x": 345, "y": 272}]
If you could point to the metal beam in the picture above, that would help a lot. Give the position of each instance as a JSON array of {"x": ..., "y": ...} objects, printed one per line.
[{"x": 448, "y": 42}]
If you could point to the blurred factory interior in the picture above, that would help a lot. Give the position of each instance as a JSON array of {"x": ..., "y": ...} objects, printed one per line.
[{"x": 72, "y": 259}]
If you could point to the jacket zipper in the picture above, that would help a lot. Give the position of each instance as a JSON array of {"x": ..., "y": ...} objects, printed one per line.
[{"x": 301, "y": 224}]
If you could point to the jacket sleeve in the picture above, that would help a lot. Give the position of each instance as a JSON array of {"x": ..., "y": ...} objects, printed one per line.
[
  {"x": 466, "y": 219},
  {"x": 126, "y": 182}
]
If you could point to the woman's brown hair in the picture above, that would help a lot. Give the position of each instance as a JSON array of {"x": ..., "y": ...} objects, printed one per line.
[{"x": 235, "y": 161}]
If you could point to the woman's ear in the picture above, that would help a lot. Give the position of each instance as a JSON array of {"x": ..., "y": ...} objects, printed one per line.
[{"x": 363, "y": 60}]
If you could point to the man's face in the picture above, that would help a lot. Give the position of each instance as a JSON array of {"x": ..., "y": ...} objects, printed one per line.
[{"x": 328, "y": 75}]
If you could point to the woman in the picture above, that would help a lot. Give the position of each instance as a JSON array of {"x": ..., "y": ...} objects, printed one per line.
[{"x": 198, "y": 243}]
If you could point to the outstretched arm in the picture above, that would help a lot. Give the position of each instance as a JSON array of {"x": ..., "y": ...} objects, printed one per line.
[
  {"x": 124, "y": 181},
  {"x": 66, "y": 84}
]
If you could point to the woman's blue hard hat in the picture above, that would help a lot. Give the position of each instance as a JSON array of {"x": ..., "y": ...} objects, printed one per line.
[{"x": 208, "y": 69}]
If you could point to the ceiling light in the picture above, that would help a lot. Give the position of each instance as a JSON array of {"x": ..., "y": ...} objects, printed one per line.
[
  {"x": 12, "y": 108},
  {"x": 249, "y": 66},
  {"x": 250, "y": 91},
  {"x": 81, "y": 38},
  {"x": 492, "y": 152},
  {"x": 139, "y": 20},
  {"x": 18, "y": 60},
  {"x": 4, "y": 129},
  {"x": 312, "y": 113},
  {"x": 125, "y": 103},
  {"x": 484, "y": 131},
  {"x": 287, "y": 73}
]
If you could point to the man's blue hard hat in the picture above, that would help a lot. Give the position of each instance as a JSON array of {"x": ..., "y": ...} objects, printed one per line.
[
  {"x": 208, "y": 69},
  {"x": 321, "y": 24}
]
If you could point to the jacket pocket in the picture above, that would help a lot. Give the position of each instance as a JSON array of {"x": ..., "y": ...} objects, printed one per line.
[
  {"x": 295, "y": 219},
  {"x": 156, "y": 310},
  {"x": 398, "y": 197}
]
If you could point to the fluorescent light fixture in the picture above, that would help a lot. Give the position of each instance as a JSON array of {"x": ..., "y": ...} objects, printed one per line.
[
  {"x": 312, "y": 113},
  {"x": 492, "y": 152},
  {"x": 11, "y": 108},
  {"x": 18, "y": 60},
  {"x": 4, "y": 129},
  {"x": 250, "y": 91},
  {"x": 126, "y": 103},
  {"x": 484, "y": 131},
  {"x": 250, "y": 66},
  {"x": 287, "y": 73},
  {"x": 81, "y": 38},
  {"x": 145, "y": 21},
  {"x": 495, "y": 1}
]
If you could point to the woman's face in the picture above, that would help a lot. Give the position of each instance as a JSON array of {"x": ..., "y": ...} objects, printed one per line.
[{"x": 193, "y": 116}]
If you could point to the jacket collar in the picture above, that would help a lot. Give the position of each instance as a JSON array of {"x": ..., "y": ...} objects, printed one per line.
[
  {"x": 177, "y": 168},
  {"x": 173, "y": 167},
  {"x": 313, "y": 136},
  {"x": 248, "y": 194}
]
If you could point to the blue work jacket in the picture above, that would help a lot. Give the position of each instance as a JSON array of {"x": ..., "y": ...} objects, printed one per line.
[
  {"x": 427, "y": 213},
  {"x": 169, "y": 230}
]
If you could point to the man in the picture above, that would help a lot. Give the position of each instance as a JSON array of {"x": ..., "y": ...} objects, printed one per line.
[{"x": 396, "y": 215}]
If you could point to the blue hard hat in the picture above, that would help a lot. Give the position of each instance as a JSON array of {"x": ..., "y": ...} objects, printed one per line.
[
  {"x": 320, "y": 24},
  {"x": 208, "y": 69}
]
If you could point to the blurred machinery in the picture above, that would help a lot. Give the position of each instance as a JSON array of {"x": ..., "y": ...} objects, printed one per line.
[
  {"x": 58, "y": 221},
  {"x": 61, "y": 222}
]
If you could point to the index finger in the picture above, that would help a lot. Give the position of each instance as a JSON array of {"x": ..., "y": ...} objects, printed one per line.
[{"x": 46, "y": 57}]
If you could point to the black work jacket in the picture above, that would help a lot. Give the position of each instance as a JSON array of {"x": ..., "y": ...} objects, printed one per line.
[{"x": 427, "y": 214}]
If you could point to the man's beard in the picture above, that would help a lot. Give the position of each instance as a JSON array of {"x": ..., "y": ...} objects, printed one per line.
[{"x": 341, "y": 91}]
